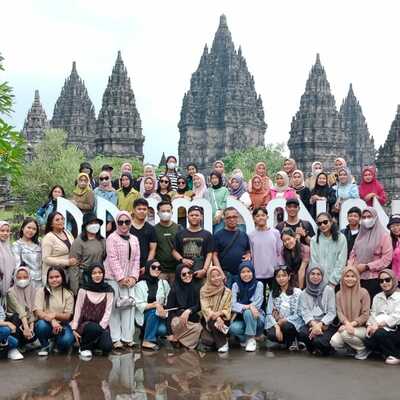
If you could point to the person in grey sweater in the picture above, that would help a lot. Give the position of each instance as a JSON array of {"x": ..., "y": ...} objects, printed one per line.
[{"x": 318, "y": 310}]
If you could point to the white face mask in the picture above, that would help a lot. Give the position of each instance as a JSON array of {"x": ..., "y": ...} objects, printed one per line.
[
  {"x": 368, "y": 222},
  {"x": 22, "y": 283},
  {"x": 93, "y": 228},
  {"x": 165, "y": 216},
  {"x": 171, "y": 165}
]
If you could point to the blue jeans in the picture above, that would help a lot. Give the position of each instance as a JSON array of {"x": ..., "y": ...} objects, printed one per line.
[
  {"x": 64, "y": 340},
  {"x": 248, "y": 327},
  {"x": 5, "y": 336},
  {"x": 154, "y": 326}
]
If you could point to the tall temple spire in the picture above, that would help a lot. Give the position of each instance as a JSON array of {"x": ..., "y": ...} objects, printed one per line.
[
  {"x": 35, "y": 124},
  {"x": 360, "y": 148},
  {"x": 74, "y": 112},
  {"x": 221, "y": 112},
  {"x": 316, "y": 131},
  {"x": 388, "y": 161},
  {"x": 119, "y": 128}
]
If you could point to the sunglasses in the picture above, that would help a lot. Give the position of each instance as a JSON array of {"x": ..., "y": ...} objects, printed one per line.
[
  {"x": 103, "y": 178},
  {"x": 387, "y": 280},
  {"x": 156, "y": 267},
  {"x": 182, "y": 183},
  {"x": 164, "y": 181},
  {"x": 124, "y": 222},
  {"x": 324, "y": 222},
  {"x": 185, "y": 274}
]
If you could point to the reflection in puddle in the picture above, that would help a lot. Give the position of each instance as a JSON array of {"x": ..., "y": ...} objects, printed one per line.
[{"x": 135, "y": 376}]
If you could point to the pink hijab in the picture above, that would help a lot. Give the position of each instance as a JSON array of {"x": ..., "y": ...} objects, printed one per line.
[
  {"x": 200, "y": 192},
  {"x": 372, "y": 187},
  {"x": 118, "y": 216},
  {"x": 7, "y": 263}
]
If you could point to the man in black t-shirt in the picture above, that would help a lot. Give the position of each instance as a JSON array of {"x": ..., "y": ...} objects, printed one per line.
[
  {"x": 145, "y": 232},
  {"x": 194, "y": 245},
  {"x": 303, "y": 229}
]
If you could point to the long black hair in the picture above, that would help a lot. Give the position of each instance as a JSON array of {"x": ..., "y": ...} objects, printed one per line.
[
  {"x": 64, "y": 285},
  {"x": 28, "y": 220},
  {"x": 50, "y": 196},
  {"x": 292, "y": 257},
  {"x": 49, "y": 223},
  {"x": 334, "y": 227},
  {"x": 276, "y": 289},
  {"x": 169, "y": 184}
]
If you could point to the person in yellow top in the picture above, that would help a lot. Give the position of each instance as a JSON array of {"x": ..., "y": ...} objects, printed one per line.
[
  {"x": 126, "y": 194},
  {"x": 82, "y": 195}
]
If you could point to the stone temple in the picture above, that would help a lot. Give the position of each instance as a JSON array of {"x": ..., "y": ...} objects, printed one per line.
[{"x": 221, "y": 112}]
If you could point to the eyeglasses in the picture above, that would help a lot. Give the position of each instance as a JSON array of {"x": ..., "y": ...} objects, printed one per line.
[
  {"x": 185, "y": 274},
  {"x": 124, "y": 222},
  {"x": 387, "y": 280},
  {"x": 182, "y": 183},
  {"x": 324, "y": 222},
  {"x": 103, "y": 178},
  {"x": 164, "y": 181},
  {"x": 156, "y": 267}
]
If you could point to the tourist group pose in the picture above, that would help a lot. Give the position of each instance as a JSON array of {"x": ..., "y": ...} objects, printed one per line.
[{"x": 170, "y": 284}]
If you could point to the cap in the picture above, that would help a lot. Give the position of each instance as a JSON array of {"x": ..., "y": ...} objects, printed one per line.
[
  {"x": 196, "y": 208},
  {"x": 293, "y": 201},
  {"x": 394, "y": 219}
]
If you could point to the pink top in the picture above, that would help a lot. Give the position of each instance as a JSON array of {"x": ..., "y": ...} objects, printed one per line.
[
  {"x": 118, "y": 265},
  {"x": 289, "y": 193},
  {"x": 382, "y": 258},
  {"x": 396, "y": 260},
  {"x": 95, "y": 298}
]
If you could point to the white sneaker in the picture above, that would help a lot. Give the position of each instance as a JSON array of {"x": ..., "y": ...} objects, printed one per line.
[
  {"x": 362, "y": 354},
  {"x": 85, "y": 354},
  {"x": 392, "y": 360},
  {"x": 14, "y": 355},
  {"x": 224, "y": 348},
  {"x": 251, "y": 345}
]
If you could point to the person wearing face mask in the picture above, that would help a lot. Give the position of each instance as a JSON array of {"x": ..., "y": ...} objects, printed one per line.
[
  {"x": 171, "y": 172},
  {"x": 88, "y": 249},
  {"x": 21, "y": 305},
  {"x": 166, "y": 231},
  {"x": 316, "y": 169},
  {"x": 372, "y": 251}
]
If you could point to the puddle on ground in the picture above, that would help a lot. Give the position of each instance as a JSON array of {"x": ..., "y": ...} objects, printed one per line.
[{"x": 159, "y": 376}]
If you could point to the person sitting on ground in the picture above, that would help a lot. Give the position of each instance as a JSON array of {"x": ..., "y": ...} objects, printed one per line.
[
  {"x": 183, "y": 306},
  {"x": 90, "y": 324},
  {"x": 83, "y": 196},
  {"x": 283, "y": 320},
  {"x": 352, "y": 229},
  {"x": 371, "y": 188},
  {"x": 353, "y": 306},
  {"x": 322, "y": 191},
  {"x": 126, "y": 194},
  {"x": 8, "y": 342},
  {"x": 383, "y": 334},
  {"x": 151, "y": 295},
  {"x": 318, "y": 310},
  {"x": 216, "y": 306},
  {"x": 281, "y": 189},
  {"x": 54, "y": 305},
  {"x": 247, "y": 300}
]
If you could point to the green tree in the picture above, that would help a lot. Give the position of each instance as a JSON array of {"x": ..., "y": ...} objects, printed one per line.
[
  {"x": 12, "y": 144},
  {"x": 246, "y": 160}
]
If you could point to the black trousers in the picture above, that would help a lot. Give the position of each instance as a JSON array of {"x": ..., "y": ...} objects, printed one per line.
[
  {"x": 266, "y": 282},
  {"x": 372, "y": 286},
  {"x": 212, "y": 336},
  {"x": 289, "y": 334},
  {"x": 95, "y": 337},
  {"x": 385, "y": 342},
  {"x": 320, "y": 343}
]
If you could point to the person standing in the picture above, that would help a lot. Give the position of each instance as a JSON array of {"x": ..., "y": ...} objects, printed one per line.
[
  {"x": 260, "y": 194},
  {"x": 7, "y": 260},
  {"x": 191, "y": 170},
  {"x": 126, "y": 195},
  {"x": 322, "y": 191},
  {"x": 172, "y": 172},
  {"x": 353, "y": 228},
  {"x": 105, "y": 189},
  {"x": 302, "y": 191},
  {"x": 83, "y": 196},
  {"x": 281, "y": 189},
  {"x": 394, "y": 227},
  {"x": 126, "y": 168},
  {"x": 232, "y": 246},
  {"x": 122, "y": 273},
  {"x": 371, "y": 188},
  {"x": 316, "y": 169},
  {"x": 50, "y": 206},
  {"x": 217, "y": 195}
]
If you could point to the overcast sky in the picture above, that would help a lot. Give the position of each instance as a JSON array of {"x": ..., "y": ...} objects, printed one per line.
[{"x": 162, "y": 42}]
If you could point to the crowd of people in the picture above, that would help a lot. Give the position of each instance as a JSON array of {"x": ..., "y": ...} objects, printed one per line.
[{"x": 177, "y": 284}]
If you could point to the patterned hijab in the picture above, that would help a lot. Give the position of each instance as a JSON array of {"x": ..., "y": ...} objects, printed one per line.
[{"x": 81, "y": 191}]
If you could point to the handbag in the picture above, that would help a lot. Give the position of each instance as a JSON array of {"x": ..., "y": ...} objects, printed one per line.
[{"x": 123, "y": 302}]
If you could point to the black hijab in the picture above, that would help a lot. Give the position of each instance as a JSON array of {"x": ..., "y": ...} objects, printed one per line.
[
  {"x": 322, "y": 191},
  {"x": 185, "y": 188},
  {"x": 220, "y": 181},
  {"x": 187, "y": 295},
  {"x": 152, "y": 282},
  {"x": 89, "y": 284},
  {"x": 128, "y": 189}
]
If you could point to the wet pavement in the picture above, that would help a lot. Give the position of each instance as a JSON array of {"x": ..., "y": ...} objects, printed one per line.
[{"x": 190, "y": 375}]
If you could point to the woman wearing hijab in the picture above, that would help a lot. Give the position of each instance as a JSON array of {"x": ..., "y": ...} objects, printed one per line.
[
  {"x": 90, "y": 324},
  {"x": 148, "y": 171},
  {"x": 281, "y": 189},
  {"x": 289, "y": 166},
  {"x": 217, "y": 195},
  {"x": 82, "y": 195},
  {"x": 7, "y": 260},
  {"x": 219, "y": 167},
  {"x": 183, "y": 306},
  {"x": 21, "y": 304},
  {"x": 329, "y": 249},
  {"x": 50, "y": 206},
  {"x": 122, "y": 273},
  {"x": 394, "y": 227},
  {"x": 105, "y": 189},
  {"x": 353, "y": 306},
  {"x": 237, "y": 190},
  {"x": 260, "y": 170},
  {"x": 283, "y": 320},
  {"x": 371, "y": 188},
  {"x": 247, "y": 300},
  {"x": 216, "y": 306},
  {"x": 322, "y": 191},
  {"x": 126, "y": 194},
  {"x": 334, "y": 175},
  {"x": 302, "y": 191},
  {"x": 383, "y": 333},
  {"x": 372, "y": 251},
  {"x": 151, "y": 295},
  {"x": 148, "y": 188},
  {"x": 259, "y": 196},
  {"x": 164, "y": 189},
  {"x": 182, "y": 192},
  {"x": 318, "y": 310},
  {"x": 344, "y": 189},
  {"x": 126, "y": 167},
  {"x": 199, "y": 186},
  {"x": 316, "y": 169}
]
